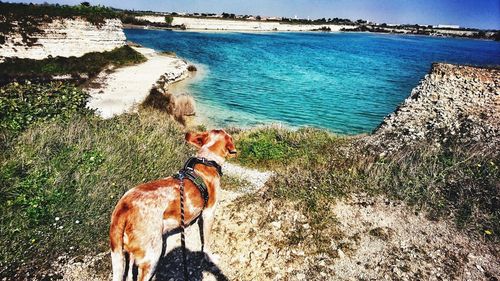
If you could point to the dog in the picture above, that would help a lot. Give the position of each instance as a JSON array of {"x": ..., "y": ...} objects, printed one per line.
[{"x": 148, "y": 211}]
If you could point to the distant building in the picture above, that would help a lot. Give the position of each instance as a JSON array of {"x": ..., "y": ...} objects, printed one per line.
[{"x": 447, "y": 26}]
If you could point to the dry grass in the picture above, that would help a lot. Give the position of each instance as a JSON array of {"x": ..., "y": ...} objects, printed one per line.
[
  {"x": 458, "y": 182},
  {"x": 314, "y": 167},
  {"x": 184, "y": 106},
  {"x": 59, "y": 182},
  {"x": 179, "y": 107}
]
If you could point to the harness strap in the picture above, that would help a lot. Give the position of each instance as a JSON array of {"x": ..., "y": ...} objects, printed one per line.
[
  {"x": 191, "y": 162},
  {"x": 189, "y": 173},
  {"x": 196, "y": 180},
  {"x": 183, "y": 226}
]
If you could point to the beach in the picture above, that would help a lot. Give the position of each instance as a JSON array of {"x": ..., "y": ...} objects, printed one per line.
[{"x": 126, "y": 87}]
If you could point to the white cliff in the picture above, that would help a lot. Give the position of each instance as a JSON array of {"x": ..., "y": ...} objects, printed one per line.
[{"x": 66, "y": 37}]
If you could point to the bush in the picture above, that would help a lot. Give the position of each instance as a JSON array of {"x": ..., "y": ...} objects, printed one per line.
[
  {"x": 88, "y": 65},
  {"x": 25, "y": 104},
  {"x": 184, "y": 106}
]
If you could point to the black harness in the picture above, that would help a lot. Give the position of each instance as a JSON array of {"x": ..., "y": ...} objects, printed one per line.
[{"x": 188, "y": 172}]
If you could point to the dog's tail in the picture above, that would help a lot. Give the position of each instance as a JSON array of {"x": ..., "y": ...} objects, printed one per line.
[{"x": 116, "y": 232}]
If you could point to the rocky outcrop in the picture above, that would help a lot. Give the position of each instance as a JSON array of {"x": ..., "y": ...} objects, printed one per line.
[
  {"x": 453, "y": 102},
  {"x": 65, "y": 37}
]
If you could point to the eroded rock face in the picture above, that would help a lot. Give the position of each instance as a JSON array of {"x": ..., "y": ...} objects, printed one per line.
[
  {"x": 452, "y": 102},
  {"x": 66, "y": 37}
]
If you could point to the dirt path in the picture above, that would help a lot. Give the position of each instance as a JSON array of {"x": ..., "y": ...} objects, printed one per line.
[{"x": 127, "y": 86}]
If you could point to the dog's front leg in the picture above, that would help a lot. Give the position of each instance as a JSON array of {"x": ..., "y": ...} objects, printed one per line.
[{"x": 208, "y": 221}]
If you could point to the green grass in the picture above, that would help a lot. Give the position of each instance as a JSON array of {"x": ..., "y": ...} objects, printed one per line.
[
  {"x": 77, "y": 171},
  {"x": 88, "y": 65},
  {"x": 314, "y": 168},
  {"x": 457, "y": 182},
  {"x": 24, "y": 104}
]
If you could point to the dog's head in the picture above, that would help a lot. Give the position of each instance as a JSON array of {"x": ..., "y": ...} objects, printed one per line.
[{"x": 215, "y": 144}]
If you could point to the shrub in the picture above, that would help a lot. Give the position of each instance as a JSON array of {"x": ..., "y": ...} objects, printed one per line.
[
  {"x": 88, "y": 65},
  {"x": 169, "y": 20},
  {"x": 24, "y": 104},
  {"x": 184, "y": 106},
  {"x": 176, "y": 106},
  {"x": 159, "y": 101}
]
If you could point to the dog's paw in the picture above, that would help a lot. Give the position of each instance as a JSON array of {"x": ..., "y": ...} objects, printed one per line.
[{"x": 213, "y": 258}]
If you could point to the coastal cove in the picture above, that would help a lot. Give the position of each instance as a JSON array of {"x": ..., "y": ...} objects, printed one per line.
[{"x": 344, "y": 82}]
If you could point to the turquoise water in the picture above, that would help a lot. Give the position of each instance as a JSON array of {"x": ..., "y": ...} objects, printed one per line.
[{"x": 344, "y": 82}]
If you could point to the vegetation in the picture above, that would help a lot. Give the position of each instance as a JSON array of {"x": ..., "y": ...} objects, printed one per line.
[
  {"x": 60, "y": 180},
  {"x": 24, "y": 104},
  {"x": 62, "y": 170},
  {"x": 314, "y": 167},
  {"x": 458, "y": 182},
  {"x": 88, "y": 65},
  {"x": 169, "y": 20}
]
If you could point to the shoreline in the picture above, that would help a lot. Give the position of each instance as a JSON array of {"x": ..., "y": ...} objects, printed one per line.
[
  {"x": 176, "y": 29},
  {"x": 123, "y": 89}
]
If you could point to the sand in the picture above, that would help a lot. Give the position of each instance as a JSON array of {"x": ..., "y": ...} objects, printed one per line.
[{"x": 126, "y": 87}]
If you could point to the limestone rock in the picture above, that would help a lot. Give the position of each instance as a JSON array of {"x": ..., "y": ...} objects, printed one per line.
[{"x": 66, "y": 37}]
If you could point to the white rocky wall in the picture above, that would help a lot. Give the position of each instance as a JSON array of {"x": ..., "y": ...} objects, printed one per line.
[{"x": 66, "y": 37}]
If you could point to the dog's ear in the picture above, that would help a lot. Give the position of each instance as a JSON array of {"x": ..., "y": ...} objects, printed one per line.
[
  {"x": 231, "y": 149},
  {"x": 197, "y": 139}
]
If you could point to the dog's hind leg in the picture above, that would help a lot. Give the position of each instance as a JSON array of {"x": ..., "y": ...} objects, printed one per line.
[
  {"x": 118, "y": 264},
  {"x": 208, "y": 221},
  {"x": 131, "y": 263},
  {"x": 147, "y": 264}
]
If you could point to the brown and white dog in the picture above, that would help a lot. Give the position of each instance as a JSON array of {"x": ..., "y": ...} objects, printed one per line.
[{"x": 150, "y": 210}]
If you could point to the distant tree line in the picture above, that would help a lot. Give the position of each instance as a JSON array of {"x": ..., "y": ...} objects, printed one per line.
[{"x": 339, "y": 21}]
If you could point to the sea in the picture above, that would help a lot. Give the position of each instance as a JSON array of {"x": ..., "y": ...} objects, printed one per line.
[{"x": 343, "y": 82}]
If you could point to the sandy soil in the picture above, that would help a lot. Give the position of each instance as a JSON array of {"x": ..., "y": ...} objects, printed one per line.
[{"x": 128, "y": 86}]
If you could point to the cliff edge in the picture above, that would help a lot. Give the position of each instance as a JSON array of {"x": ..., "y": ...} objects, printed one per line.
[
  {"x": 452, "y": 103},
  {"x": 63, "y": 37}
]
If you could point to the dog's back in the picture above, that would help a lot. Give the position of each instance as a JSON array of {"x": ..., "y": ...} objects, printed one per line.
[{"x": 137, "y": 225}]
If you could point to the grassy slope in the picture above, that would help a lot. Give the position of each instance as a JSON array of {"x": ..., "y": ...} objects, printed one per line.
[
  {"x": 314, "y": 167},
  {"x": 76, "y": 171},
  {"x": 89, "y": 64}
]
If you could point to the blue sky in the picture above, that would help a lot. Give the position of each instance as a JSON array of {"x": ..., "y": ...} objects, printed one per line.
[{"x": 468, "y": 13}]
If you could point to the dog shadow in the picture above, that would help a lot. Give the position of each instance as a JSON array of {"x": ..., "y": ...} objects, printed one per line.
[{"x": 170, "y": 266}]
